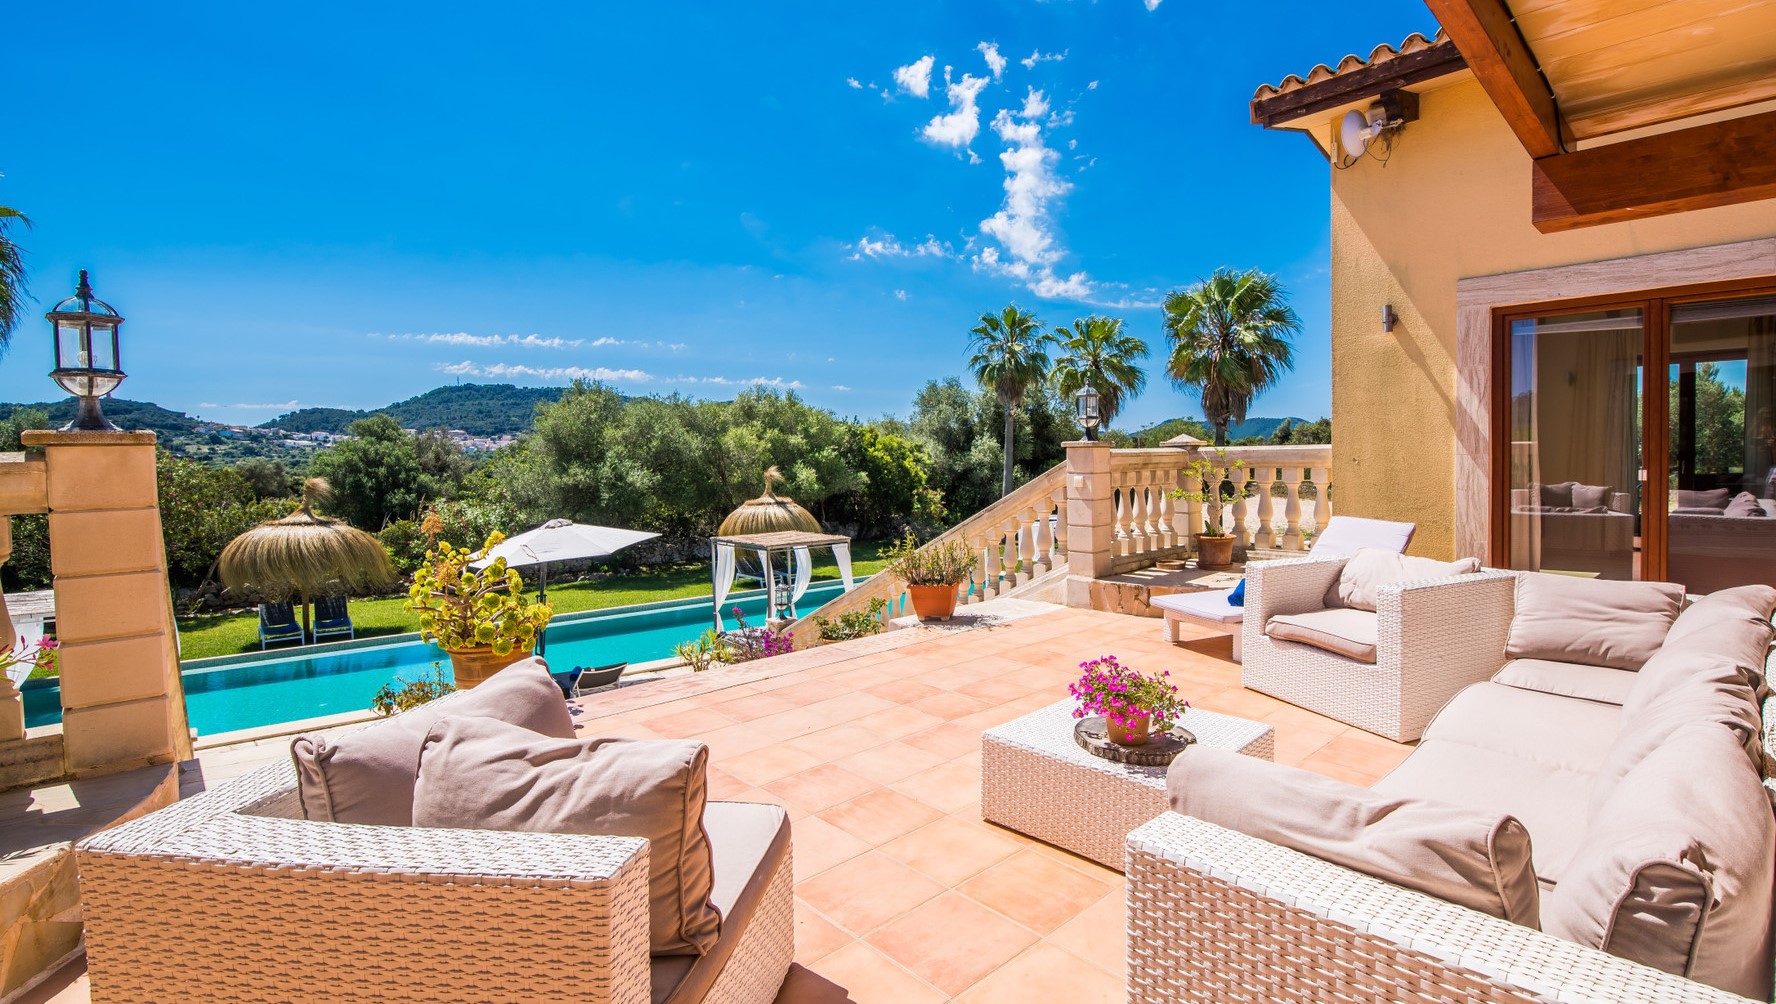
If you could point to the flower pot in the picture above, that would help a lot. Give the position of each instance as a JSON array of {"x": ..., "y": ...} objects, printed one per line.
[
  {"x": 933, "y": 602},
  {"x": 1214, "y": 552},
  {"x": 1133, "y": 734},
  {"x": 475, "y": 664}
]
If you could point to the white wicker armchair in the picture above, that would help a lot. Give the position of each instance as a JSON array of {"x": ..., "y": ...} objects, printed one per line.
[
  {"x": 231, "y": 896},
  {"x": 1434, "y": 637},
  {"x": 1215, "y": 915}
]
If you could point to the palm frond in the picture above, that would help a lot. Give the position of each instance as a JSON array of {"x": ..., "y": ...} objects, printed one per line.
[
  {"x": 1231, "y": 338},
  {"x": 13, "y": 284}
]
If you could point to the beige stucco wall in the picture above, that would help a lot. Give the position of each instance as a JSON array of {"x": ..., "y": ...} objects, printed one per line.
[{"x": 1452, "y": 203}]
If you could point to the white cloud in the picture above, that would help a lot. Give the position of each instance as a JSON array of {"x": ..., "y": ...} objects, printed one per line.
[
  {"x": 901, "y": 295},
  {"x": 1152, "y": 4},
  {"x": 915, "y": 77},
  {"x": 886, "y": 247},
  {"x": 1038, "y": 56},
  {"x": 995, "y": 62},
  {"x": 485, "y": 341},
  {"x": 853, "y": 83},
  {"x": 840, "y": 387},
  {"x": 208, "y": 404},
  {"x": 1028, "y": 249},
  {"x": 505, "y": 370},
  {"x": 890, "y": 246},
  {"x": 961, "y": 125},
  {"x": 275, "y": 406},
  {"x": 721, "y": 381},
  {"x": 1092, "y": 86}
]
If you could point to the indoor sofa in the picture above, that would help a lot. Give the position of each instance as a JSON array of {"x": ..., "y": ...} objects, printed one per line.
[{"x": 1588, "y": 825}]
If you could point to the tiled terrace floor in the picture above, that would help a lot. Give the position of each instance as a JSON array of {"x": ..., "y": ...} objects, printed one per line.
[{"x": 903, "y": 893}]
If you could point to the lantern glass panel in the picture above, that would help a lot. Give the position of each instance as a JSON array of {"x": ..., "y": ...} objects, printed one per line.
[
  {"x": 104, "y": 347},
  {"x": 70, "y": 349}
]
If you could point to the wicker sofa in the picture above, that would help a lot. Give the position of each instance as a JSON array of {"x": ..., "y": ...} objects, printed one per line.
[
  {"x": 1217, "y": 914},
  {"x": 1448, "y": 626},
  {"x": 232, "y": 896}
]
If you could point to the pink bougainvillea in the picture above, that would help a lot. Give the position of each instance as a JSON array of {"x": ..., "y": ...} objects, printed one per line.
[{"x": 1123, "y": 695}]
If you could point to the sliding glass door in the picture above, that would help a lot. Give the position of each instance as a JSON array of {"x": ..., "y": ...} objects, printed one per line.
[
  {"x": 1639, "y": 437},
  {"x": 1722, "y": 434},
  {"x": 1575, "y": 444}
]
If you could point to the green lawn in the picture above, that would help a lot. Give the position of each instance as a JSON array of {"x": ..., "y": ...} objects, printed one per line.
[{"x": 233, "y": 632}]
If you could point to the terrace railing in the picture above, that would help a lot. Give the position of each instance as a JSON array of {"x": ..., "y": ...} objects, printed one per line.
[{"x": 1018, "y": 538}]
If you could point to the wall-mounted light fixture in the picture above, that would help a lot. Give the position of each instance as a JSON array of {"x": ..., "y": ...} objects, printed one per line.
[{"x": 1388, "y": 318}]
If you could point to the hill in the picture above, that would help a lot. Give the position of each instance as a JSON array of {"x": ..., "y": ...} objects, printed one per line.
[
  {"x": 123, "y": 413},
  {"x": 480, "y": 409},
  {"x": 1251, "y": 428}
]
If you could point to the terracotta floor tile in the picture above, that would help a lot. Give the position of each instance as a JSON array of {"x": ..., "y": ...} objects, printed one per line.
[
  {"x": 1099, "y": 935},
  {"x": 846, "y": 708},
  {"x": 889, "y": 762},
  {"x": 879, "y": 816},
  {"x": 819, "y": 845},
  {"x": 1004, "y": 689},
  {"x": 1045, "y": 973},
  {"x": 1034, "y": 891},
  {"x": 946, "y": 740},
  {"x": 685, "y": 723},
  {"x": 725, "y": 787},
  {"x": 1360, "y": 753},
  {"x": 750, "y": 706},
  {"x": 946, "y": 787},
  {"x": 951, "y": 850},
  {"x": 898, "y": 722},
  {"x": 952, "y": 941},
  {"x": 820, "y": 788},
  {"x": 1078, "y": 863},
  {"x": 950, "y": 705},
  {"x": 804, "y": 692},
  {"x": 904, "y": 691},
  {"x": 733, "y": 741},
  {"x": 1294, "y": 745},
  {"x": 769, "y": 763},
  {"x": 815, "y": 936},
  {"x": 838, "y": 741},
  {"x": 856, "y": 974},
  {"x": 867, "y": 891},
  {"x": 864, "y": 677}
]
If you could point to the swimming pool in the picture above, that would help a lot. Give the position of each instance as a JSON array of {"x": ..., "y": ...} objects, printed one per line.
[{"x": 244, "y": 692}]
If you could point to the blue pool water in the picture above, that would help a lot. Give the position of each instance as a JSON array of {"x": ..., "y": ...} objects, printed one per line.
[{"x": 312, "y": 682}]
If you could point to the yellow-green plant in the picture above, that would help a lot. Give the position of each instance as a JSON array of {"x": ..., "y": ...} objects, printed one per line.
[
  {"x": 460, "y": 607},
  {"x": 932, "y": 565}
]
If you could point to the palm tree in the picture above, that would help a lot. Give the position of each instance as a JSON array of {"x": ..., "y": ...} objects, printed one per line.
[
  {"x": 1231, "y": 339},
  {"x": 1100, "y": 354},
  {"x": 1010, "y": 356},
  {"x": 12, "y": 274}
]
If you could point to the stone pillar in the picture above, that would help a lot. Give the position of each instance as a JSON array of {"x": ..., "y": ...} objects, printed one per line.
[
  {"x": 12, "y": 703},
  {"x": 123, "y": 703},
  {"x": 1091, "y": 519}
]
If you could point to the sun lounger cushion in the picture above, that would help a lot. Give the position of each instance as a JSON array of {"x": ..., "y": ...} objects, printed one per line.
[
  {"x": 1567, "y": 679},
  {"x": 1595, "y": 622},
  {"x": 1478, "y": 859},
  {"x": 482, "y": 774},
  {"x": 1686, "y": 888},
  {"x": 367, "y": 776},
  {"x": 1363, "y": 575},
  {"x": 749, "y": 842},
  {"x": 1344, "y": 631}
]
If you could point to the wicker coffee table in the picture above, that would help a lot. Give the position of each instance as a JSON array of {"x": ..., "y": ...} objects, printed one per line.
[{"x": 1036, "y": 780}]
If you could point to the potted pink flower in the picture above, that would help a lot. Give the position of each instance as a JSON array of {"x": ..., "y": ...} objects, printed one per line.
[{"x": 1133, "y": 704}]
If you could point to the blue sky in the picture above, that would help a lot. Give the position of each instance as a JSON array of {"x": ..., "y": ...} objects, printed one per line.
[{"x": 346, "y": 205}]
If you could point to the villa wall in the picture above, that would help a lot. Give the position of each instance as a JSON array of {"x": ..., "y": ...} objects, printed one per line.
[{"x": 1452, "y": 203}]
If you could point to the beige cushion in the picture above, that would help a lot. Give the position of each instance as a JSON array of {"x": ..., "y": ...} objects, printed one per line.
[
  {"x": 1591, "y": 496},
  {"x": 1547, "y": 800},
  {"x": 1678, "y": 688},
  {"x": 1676, "y": 870},
  {"x": 1346, "y": 631},
  {"x": 749, "y": 843},
  {"x": 1743, "y": 505},
  {"x": 1359, "y": 583},
  {"x": 1567, "y": 679},
  {"x": 480, "y": 774},
  {"x": 1478, "y": 859},
  {"x": 1595, "y": 622},
  {"x": 1712, "y": 498},
  {"x": 1743, "y": 612},
  {"x": 1530, "y": 725},
  {"x": 367, "y": 776}
]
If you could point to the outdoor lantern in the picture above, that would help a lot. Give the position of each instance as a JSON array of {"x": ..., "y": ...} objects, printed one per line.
[
  {"x": 1087, "y": 403},
  {"x": 86, "y": 361}
]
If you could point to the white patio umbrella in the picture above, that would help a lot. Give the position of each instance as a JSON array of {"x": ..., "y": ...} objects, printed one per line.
[{"x": 561, "y": 540}]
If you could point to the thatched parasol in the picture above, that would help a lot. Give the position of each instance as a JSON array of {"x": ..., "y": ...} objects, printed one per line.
[
  {"x": 305, "y": 555},
  {"x": 768, "y": 513}
]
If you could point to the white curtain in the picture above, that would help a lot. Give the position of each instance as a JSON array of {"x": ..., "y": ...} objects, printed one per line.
[
  {"x": 770, "y": 585},
  {"x": 842, "y": 554},
  {"x": 724, "y": 579},
  {"x": 804, "y": 573}
]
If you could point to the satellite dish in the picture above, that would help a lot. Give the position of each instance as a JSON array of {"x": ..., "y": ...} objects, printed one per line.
[{"x": 1354, "y": 133}]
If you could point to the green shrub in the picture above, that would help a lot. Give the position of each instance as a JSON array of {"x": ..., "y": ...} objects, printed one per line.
[
  {"x": 932, "y": 565},
  {"x": 856, "y": 624},
  {"x": 403, "y": 694}
]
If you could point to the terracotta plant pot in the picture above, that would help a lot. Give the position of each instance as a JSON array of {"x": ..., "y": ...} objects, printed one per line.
[
  {"x": 1214, "y": 552},
  {"x": 474, "y": 665},
  {"x": 1135, "y": 734},
  {"x": 933, "y": 602}
]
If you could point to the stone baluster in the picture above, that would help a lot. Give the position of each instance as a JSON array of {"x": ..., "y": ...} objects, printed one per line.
[
  {"x": 1193, "y": 510},
  {"x": 1016, "y": 556},
  {"x": 1292, "y": 508},
  {"x": 1322, "y": 503},
  {"x": 1137, "y": 493},
  {"x": 1265, "y": 534},
  {"x": 1163, "y": 504},
  {"x": 1041, "y": 546},
  {"x": 977, "y": 542},
  {"x": 1059, "y": 501},
  {"x": 1237, "y": 477}
]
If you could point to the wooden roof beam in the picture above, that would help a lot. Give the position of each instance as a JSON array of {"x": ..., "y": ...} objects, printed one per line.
[
  {"x": 1488, "y": 38},
  {"x": 1719, "y": 164}
]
